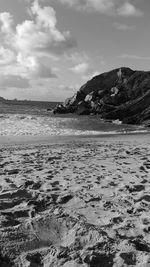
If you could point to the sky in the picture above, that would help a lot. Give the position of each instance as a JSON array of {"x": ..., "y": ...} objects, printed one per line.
[{"x": 49, "y": 48}]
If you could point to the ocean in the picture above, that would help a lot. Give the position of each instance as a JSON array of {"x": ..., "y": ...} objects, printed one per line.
[{"x": 33, "y": 118}]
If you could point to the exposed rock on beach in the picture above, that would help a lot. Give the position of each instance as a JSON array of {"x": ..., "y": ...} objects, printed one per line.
[{"x": 122, "y": 94}]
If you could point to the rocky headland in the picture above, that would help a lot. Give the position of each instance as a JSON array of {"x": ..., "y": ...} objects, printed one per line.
[{"x": 121, "y": 94}]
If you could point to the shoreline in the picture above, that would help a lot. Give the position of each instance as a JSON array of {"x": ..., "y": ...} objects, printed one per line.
[{"x": 47, "y": 139}]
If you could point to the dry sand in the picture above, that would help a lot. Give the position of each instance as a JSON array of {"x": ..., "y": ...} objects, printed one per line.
[{"x": 77, "y": 202}]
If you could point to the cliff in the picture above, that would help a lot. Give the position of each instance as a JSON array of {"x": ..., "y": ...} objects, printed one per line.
[{"x": 122, "y": 94}]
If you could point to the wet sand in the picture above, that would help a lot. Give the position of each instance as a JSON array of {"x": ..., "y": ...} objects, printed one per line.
[{"x": 75, "y": 201}]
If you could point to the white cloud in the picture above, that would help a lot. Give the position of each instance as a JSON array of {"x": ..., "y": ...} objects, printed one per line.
[
  {"x": 41, "y": 35},
  {"x": 6, "y": 56},
  {"x": 24, "y": 45},
  {"x": 123, "y": 27},
  {"x": 86, "y": 69},
  {"x": 33, "y": 68},
  {"x": 80, "y": 68},
  {"x": 102, "y": 6},
  {"x": 77, "y": 57},
  {"x": 109, "y": 7},
  {"x": 6, "y": 21},
  {"x": 28, "y": 67},
  {"x": 127, "y": 9}
]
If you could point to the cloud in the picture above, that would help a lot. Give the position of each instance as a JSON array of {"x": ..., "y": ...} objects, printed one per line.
[
  {"x": 6, "y": 21},
  {"x": 28, "y": 67},
  {"x": 91, "y": 75},
  {"x": 80, "y": 68},
  {"x": 7, "y": 56},
  {"x": 137, "y": 57},
  {"x": 13, "y": 81},
  {"x": 109, "y": 7},
  {"x": 127, "y": 9},
  {"x": 86, "y": 69},
  {"x": 123, "y": 27},
  {"x": 40, "y": 35},
  {"x": 77, "y": 57},
  {"x": 69, "y": 89},
  {"x": 24, "y": 45},
  {"x": 101, "y": 6},
  {"x": 63, "y": 87},
  {"x": 44, "y": 72},
  {"x": 33, "y": 68}
]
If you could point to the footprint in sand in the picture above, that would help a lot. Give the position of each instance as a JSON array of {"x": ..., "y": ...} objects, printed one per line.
[
  {"x": 143, "y": 169},
  {"x": 50, "y": 256},
  {"x": 147, "y": 164},
  {"x": 135, "y": 188},
  {"x": 37, "y": 259}
]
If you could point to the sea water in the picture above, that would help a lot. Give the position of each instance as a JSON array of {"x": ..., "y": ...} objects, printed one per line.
[{"x": 36, "y": 118}]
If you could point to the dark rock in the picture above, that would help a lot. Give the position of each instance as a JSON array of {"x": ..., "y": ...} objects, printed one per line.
[
  {"x": 36, "y": 185},
  {"x": 135, "y": 188},
  {"x": 129, "y": 258},
  {"x": 5, "y": 261},
  {"x": 82, "y": 108},
  {"x": 28, "y": 183},
  {"x": 99, "y": 260},
  {"x": 35, "y": 260},
  {"x": 140, "y": 245},
  {"x": 11, "y": 172},
  {"x": 121, "y": 94},
  {"x": 60, "y": 108},
  {"x": 64, "y": 199}
]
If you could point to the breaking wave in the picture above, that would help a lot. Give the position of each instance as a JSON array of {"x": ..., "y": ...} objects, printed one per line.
[{"x": 33, "y": 125}]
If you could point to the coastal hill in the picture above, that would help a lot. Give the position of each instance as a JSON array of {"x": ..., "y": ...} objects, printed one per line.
[
  {"x": 121, "y": 94},
  {"x": 2, "y": 99}
]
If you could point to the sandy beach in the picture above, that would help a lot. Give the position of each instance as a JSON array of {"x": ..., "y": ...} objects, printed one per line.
[{"x": 71, "y": 202}]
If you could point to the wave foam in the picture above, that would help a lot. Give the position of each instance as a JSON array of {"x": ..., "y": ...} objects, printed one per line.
[{"x": 34, "y": 125}]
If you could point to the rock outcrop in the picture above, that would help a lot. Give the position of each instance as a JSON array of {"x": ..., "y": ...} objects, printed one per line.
[
  {"x": 122, "y": 94},
  {"x": 2, "y": 99}
]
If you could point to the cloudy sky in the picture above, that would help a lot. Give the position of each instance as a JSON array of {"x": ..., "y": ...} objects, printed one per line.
[{"x": 49, "y": 48}]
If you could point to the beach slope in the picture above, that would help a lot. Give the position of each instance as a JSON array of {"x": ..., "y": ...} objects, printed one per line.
[{"x": 84, "y": 202}]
